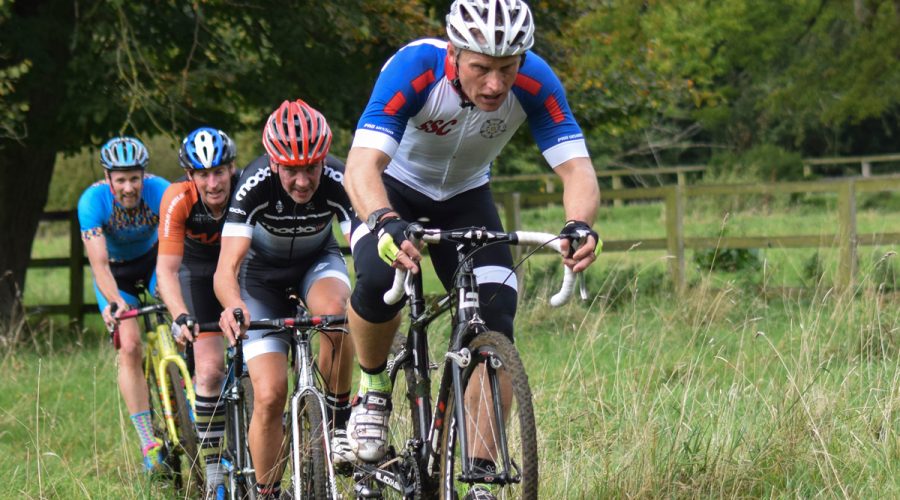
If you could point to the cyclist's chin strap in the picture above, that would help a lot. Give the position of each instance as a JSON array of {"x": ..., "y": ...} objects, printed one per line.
[{"x": 464, "y": 101}]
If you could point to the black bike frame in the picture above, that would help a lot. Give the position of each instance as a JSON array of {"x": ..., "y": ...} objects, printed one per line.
[{"x": 467, "y": 323}]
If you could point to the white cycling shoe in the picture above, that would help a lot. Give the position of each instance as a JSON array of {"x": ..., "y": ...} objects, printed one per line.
[
  {"x": 367, "y": 429},
  {"x": 341, "y": 453}
]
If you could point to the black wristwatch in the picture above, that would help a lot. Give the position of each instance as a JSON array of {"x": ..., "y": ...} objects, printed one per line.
[{"x": 375, "y": 216}]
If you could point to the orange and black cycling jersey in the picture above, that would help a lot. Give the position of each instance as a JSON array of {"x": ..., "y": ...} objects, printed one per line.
[{"x": 186, "y": 226}]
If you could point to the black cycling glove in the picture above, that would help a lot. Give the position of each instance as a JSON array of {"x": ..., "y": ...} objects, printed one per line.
[
  {"x": 184, "y": 320},
  {"x": 391, "y": 234},
  {"x": 577, "y": 232}
]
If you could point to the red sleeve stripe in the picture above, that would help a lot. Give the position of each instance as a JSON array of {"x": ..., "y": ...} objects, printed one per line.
[
  {"x": 528, "y": 84},
  {"x": 393, "y": 106},
  {"x": 423, "y": 81},
  {"x": 552, "y": 106}
]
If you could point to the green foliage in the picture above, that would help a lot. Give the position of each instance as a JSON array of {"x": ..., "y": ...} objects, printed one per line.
[
  {"x": 762, "y": 163},
  {"x": 728, "y": 259},
  {"x": 813, "y": 271},
  {"x": 884, "y": 275}
]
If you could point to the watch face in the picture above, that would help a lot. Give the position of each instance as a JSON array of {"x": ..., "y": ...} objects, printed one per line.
[{"x": 372, "y": 221}]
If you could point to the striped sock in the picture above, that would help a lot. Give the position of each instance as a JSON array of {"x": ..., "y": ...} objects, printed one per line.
[
  {"x": 269, "y": 490},
  {"x": 374, "y": 380},
  {"x": 210, "y": 416},
  {"x": 144, "y": 427},
  {"x": 337, "y": 407}
]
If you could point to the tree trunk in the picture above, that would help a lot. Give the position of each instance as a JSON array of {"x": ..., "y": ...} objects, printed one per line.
[{"x": 26, "y": 166}]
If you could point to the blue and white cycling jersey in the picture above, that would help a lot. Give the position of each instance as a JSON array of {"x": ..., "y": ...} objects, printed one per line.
[
  {"x": 442, "y": 149},
  {"x": 129, "y": 233}
]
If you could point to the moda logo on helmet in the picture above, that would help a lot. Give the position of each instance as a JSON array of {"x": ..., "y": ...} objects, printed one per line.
[{"x": 251, "y": 182}]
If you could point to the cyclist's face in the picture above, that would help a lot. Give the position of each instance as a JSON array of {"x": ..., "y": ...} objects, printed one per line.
[
  {"x": 213, "y": 184},
  {"x": 300, "y": 183},
  {"x": 126, "y": 186},
  {"x": 485, "y": 80}
]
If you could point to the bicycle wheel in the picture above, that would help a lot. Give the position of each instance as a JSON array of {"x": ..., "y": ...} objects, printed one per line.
[
  {"x": 240, "y": 485},
  {"x": 187, "y": 432},
  {"x": 494, "y": 362},
  {"x": 311, "y": 468},
  {"x": 405, "y": 421},
  {"x": 158, "y": 421}
]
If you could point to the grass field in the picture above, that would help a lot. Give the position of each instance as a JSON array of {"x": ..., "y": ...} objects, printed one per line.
[{"x": 731, "y": 391}]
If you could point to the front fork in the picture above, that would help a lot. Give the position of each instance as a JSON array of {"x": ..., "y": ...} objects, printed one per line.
[
  {"x": 306, "y": 385},
  {"x": 162, "y": 352}
]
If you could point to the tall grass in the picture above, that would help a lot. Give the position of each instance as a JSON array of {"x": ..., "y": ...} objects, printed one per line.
[
  {"x": 64, "y": 430},
  {"x": 729, "y": 391},
  {"x": 722, "y": 394}
]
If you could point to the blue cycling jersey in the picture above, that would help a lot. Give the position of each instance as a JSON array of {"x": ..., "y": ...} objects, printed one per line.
[
  {"x": 441, "y": 148},
  {"x": 129, "y": 233}
]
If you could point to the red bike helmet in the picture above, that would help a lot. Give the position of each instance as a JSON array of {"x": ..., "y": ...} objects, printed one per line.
[{"x": 296, "y": 135}]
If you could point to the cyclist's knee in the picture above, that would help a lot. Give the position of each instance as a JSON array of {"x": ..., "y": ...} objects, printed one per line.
[
  {"x": 269, "y": 398},
  {"x": 130, "y": 351},
  {"x": 209, "y": 377}
]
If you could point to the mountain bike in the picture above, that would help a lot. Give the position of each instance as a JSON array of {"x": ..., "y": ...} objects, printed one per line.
[
  {"x": 172, "y": 397},
  {"x": 312, "y": 473},
  {"x": 443, "y": 449}
]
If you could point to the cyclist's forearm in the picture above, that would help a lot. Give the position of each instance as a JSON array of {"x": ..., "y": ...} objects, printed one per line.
[
  {"x": 581, "y": 194},
  {"x": 225, "y": 280},
  {"x": 169, "y": 287},
  {"x": 362, "y": 180},
  {"x": 106, "y": 283},
  {"x": 227, "y": 289},
  {"x": 99, "y": 261}
]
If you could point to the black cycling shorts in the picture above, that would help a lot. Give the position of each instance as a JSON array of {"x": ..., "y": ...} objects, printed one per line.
[
  {"x": 493, "y": 264},
  {"x": 196, "y": 279}
]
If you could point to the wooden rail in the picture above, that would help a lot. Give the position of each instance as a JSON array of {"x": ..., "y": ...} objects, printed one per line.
[
  {"x": 618, "y": 171},
  {"x": 675, "y": 199}
]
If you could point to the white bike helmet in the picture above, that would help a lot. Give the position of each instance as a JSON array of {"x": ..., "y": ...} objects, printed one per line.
[{"x": 497, "y": 28}]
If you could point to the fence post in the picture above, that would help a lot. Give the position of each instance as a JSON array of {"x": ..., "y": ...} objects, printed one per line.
[
  {"x": 76, "y": 271},
  {"x": 675, "y": 235},
  {"x": 848, "y": 236},
  {"x": 512, "y": 208},
  {"x": 866, "y": 169},
  {"x": 617, "y": 184}
]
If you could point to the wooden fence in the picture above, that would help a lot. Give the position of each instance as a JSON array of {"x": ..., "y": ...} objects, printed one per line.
[
  {"x": 619, "y": 171},
  {"x": 675, "y": 199}
]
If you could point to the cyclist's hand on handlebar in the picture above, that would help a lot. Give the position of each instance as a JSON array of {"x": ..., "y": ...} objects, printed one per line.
[
  {"x": 185, "y": 328},
  {"x": 579, "y": 245},
  {"x": 394, "y": 247},
  {"x": 230, "y": 327},
  {"x": 111, "y": 314}
]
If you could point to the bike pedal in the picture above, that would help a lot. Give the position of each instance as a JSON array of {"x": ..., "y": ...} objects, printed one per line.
[{"x": 363, "y": 491}]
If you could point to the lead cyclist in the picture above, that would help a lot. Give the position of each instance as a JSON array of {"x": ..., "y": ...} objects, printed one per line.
[{"x": 439, "y": 114}]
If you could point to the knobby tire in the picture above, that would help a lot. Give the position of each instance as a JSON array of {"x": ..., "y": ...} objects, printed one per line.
[
  {"x": 313, "y": 466},
  {"x": 520, "y": 426},
  {"x": 187, "y": 433}
]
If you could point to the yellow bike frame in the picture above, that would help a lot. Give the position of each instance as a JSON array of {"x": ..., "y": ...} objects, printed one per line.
[{"x": 161, "y": 351}]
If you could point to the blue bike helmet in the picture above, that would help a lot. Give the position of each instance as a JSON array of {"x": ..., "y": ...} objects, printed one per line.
[
  {"x": 206, "y": 148},
  {"x": 124, "y": 153}
]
